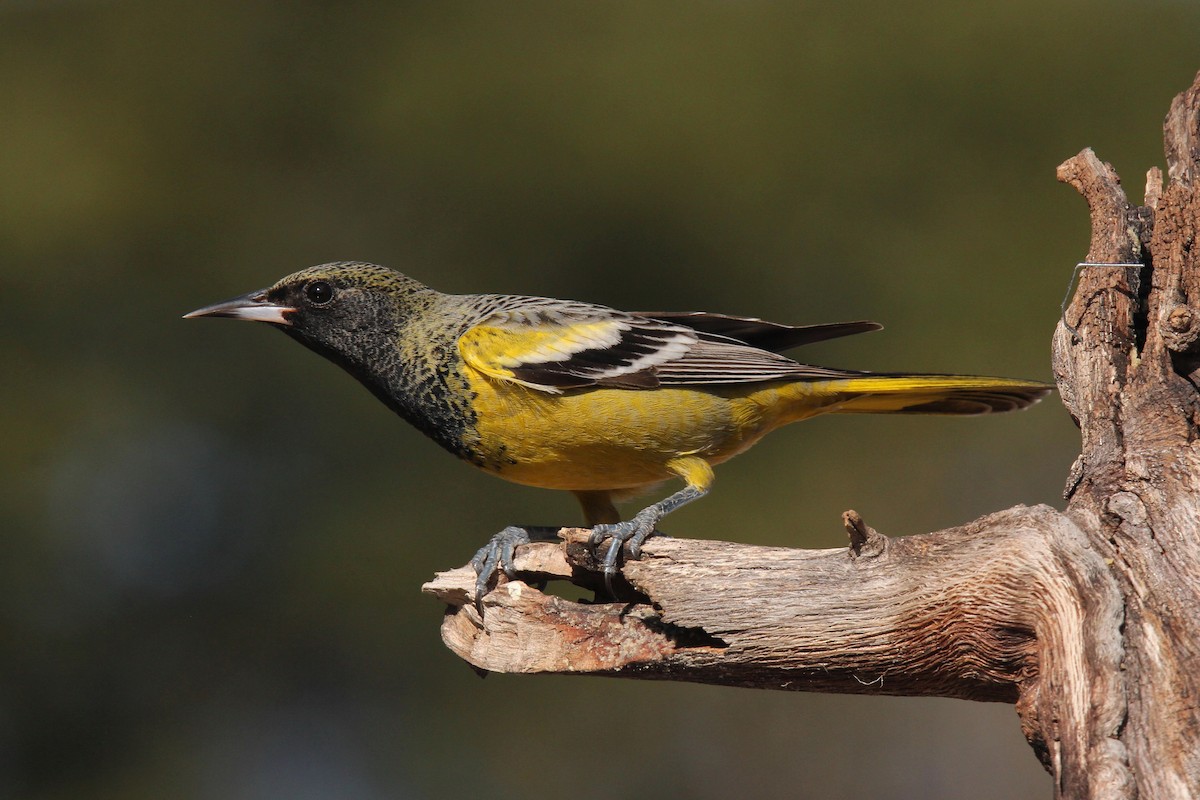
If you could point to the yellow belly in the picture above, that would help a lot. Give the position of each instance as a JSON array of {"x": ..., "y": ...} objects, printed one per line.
[{"x": 605, "y": 439}]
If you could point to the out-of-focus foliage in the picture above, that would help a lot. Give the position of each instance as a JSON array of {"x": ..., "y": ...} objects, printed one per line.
[{"x": 214, "y": 540}]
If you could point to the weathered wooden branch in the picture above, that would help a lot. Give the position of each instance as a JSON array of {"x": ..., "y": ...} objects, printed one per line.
[
  {"x": 1088, "y": 620},
  {"x": 958, "y": 613}
]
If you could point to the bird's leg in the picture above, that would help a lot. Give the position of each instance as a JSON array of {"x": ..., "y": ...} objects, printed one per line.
[
  {"x": 597, "y": 507},
  {"x": 698, "y": 475},
  {"x": 497, "y": 555},
  {"x": 637, "y": 530}
]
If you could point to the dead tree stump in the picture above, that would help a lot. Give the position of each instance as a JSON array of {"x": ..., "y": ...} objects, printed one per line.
[{"x": 1087, "y": 619}]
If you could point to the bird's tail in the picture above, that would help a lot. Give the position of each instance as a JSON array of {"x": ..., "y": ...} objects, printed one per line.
[{"x": 926, "y": 394}]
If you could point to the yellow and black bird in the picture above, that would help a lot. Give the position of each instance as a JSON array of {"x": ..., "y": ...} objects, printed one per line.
[{"x": 569, "y": 395}]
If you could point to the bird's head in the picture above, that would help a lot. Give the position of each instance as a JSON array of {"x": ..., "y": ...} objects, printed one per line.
[{"x": 345, "y": 310}]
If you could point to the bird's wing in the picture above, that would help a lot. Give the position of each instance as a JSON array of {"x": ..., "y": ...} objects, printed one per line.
[
  {"x": 552, "y": 348},
  {"x": 756, "y": 332},
  {"x": 711, "y": 362},
  {"x": 555, "y": 347}
]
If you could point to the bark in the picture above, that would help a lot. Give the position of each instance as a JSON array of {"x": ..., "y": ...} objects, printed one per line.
[{"x": 1087, "y": 619}]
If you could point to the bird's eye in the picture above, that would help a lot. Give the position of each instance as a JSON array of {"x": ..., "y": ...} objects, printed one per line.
[{"x": 319, "y": 293}]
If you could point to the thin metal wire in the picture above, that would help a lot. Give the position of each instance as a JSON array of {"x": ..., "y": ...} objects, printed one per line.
[{"x": 1071, "y": 285}]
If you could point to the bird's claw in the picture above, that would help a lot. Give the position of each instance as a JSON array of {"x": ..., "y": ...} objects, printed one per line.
[
  {"x": 494, "y": 557},
  {"x": 633, "y": 532}
]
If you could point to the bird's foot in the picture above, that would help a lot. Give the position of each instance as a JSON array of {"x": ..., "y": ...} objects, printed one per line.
[
  {"x": 634, "y": 532},
  {"x": 498, "y": 555},
  {"x": 494, "y": 557}
]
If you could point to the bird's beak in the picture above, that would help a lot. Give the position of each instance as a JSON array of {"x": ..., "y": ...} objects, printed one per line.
[{"x": 253, "y": 306}]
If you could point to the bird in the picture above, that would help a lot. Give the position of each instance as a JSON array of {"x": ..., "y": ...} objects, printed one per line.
[{"x": 575, "y": 396}]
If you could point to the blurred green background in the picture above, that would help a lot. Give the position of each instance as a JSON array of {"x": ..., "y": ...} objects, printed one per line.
[{"x": 215, "y": 541}]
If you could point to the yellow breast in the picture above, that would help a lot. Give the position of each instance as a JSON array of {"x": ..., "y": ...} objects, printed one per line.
[{"x": 601, "y": 438}]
